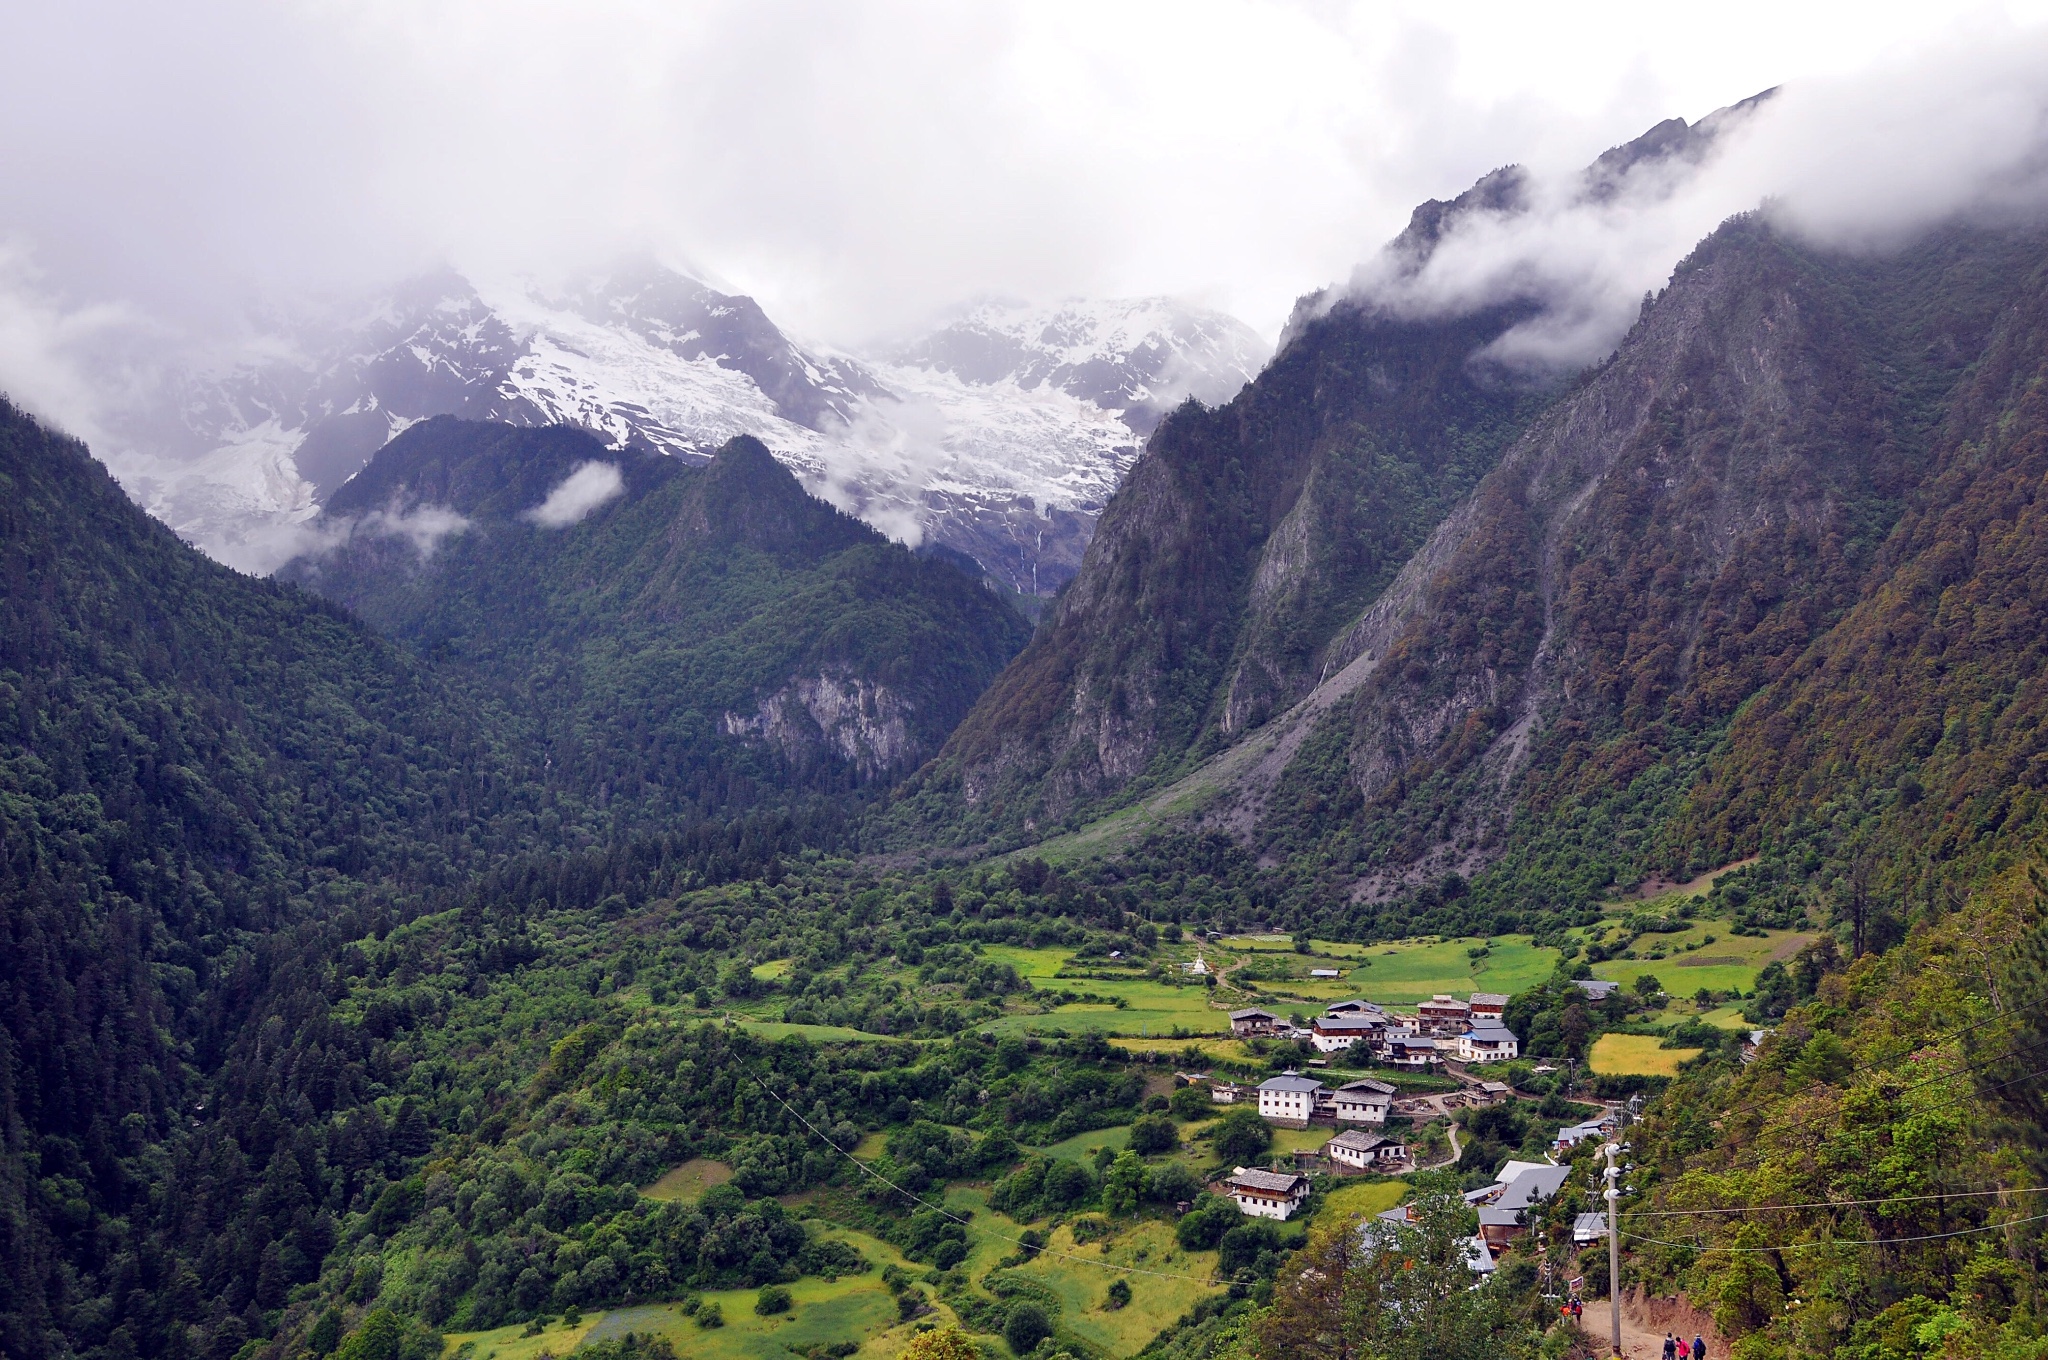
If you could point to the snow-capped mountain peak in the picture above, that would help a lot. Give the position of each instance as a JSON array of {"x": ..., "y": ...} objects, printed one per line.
[{"x": 1000, "y": 433}]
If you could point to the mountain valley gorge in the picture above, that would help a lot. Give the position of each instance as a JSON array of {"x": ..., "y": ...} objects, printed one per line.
[{"x": 602, "y": 895}]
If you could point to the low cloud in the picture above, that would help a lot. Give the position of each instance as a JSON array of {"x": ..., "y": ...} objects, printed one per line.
[
  {"x": 270, "y": 545},
  {"x": 582, "y": 491},
  {"x": 884, "y": 458},
  {"x": 426, "y": 527},
  {"x": 1958, "y": 132}
]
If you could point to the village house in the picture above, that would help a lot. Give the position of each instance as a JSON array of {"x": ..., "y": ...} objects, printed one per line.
[
  {"x": 1265, "y": 1194},
  {"x": 1358, "y": 1150},
  {"x": 1489, "y": 1005},
  {"x": 1289, "y": 1099},
  {"x": 1362, "y": 1102},
  {"x": 1597, "y": 989},
  {"x": 1252, "y": 1021},
  {"x": 1335, "y": 1033},
  {"x": 1324, "y": 973},
  {"x": 1517, "y": 1186},
  {"x": 1572, "y": 1135},
  {"x": 1588, "y": 1228},
  {"x": 1352, "y": 1008},
  {"x": 1443, "y": 1014},
  {"x": 1411, "y": 1051},
  {"x": 1225, "y": 1093},
  {"x": 1485, "y": 1043}
]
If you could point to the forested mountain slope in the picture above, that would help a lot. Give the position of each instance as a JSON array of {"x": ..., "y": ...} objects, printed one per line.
[
  {"x": 195, "y": 764},
  {"x": 686, "y": 640},
  {"x": 1660, "y": 546}
]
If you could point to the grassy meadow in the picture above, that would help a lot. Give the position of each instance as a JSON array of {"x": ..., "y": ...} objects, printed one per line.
[
  {"x": 1624, "y": 1055},
  {"x": 687, "y": 1183}
]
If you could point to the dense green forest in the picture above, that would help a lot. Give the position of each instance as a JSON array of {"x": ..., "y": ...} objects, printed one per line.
[{"x": 705, "y": 639}]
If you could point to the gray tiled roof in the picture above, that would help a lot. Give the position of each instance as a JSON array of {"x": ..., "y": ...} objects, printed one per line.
[
  {"x": 1358, "y": 1140},
  {"x": 1253, "y": 1014},
  {"x": 1365, "y": 1084},
  {"x": 1272, "y": 1182}
]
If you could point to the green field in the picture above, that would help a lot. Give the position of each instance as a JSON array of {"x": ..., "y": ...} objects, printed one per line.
[
  {"x": 1071, "y": 1148},
  {"x": 506, "y": 1343},
  {"x": 772, "y": 971},
  {"x": 1730, "y": 963},
  {"x": 778, "y": 1029},
  {"x": 1415, "y": 970},
  {"x": 1172, "y": 1282},
  {"x": 1150, "y": 1007},
  {"x": 1725, "y": 1017},
  {"x": 1212, "y": 1048},
  {"x": 1624, "y": 1055},
  {"x": 688, "y": 1182},
  {"x": 1362, "y": 1197}
]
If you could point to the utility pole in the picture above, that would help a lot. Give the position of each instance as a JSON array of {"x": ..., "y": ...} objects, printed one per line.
[{"x": 1613, "y": 1197}]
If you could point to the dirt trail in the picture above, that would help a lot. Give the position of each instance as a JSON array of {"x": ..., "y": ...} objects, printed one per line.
[{"x": 1642, "y": 1337}]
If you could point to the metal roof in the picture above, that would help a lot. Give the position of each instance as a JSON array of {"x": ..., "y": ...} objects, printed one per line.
[
  {"x": 1248, "y": 1014},
  {"x": 1290, "y": 1081},
  {"x": 1368, "y": 1084},
  {"x": 1532, "y": 1186}
]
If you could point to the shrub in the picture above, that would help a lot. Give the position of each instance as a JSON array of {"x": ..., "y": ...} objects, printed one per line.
[
  {"x": 1243, "y": 1136},
  {"x": 1119, "y": 1294},
  {"x": 771, "y": 1300},
  {"x": 1153, "y": 1134},
  {"x": 1026, "y": 1326},
  {"x": 946, "y": 1343},
  {"x": 711, "y": 1315},
  {"x": 1203, "y": 1226},
  {"x": 1191, "y": 1102}
]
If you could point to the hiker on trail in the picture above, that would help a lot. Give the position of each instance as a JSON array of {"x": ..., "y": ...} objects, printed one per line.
[
  {"x": 1699, "y": 1347},
  {"x": 1670, "y": 1347}
]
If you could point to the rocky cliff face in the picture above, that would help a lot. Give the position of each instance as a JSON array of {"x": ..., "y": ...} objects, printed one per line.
[
  {"x": 861, "y": 723},
  {"x": 1249, "y": 538}
]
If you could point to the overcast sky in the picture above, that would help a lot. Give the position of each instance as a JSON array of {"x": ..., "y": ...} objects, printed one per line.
[{"x": 856, "y": 166}]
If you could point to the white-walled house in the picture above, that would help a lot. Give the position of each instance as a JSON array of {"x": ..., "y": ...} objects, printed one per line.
[
  {"x": 1484, "y": 1043},
  {"x": 1357, "y": 1150},
  {"x": 1289, "y": 1099},
  {"x": 1363, "y": 1102},
  {"x": 1266, "y": 1194},
  {"x": 1336, "y": 1033}
]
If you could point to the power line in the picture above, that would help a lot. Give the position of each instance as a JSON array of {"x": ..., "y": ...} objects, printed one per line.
[
  {"x": 964, "y": 1223},
  {"x": 1839, "y": 1241},
  {"x": 1837, "y": 1203}
]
